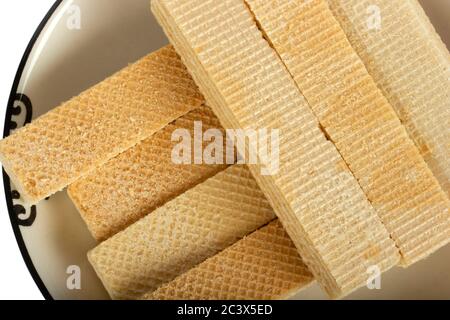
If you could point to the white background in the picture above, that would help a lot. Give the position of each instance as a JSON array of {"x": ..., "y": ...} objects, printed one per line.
[{"x": 18, "y": 21}]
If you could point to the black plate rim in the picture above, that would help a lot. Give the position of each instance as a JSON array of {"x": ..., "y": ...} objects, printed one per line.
[{"x": 7, "y": 127}]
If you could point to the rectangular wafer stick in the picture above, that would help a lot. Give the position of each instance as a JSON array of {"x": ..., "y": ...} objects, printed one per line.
[
  {"x": 411, "y": 65},
  {"x": 73, "y": 139},
  {"x": 144, "y": 177},
  {"x": 314, "y": 194},
  {"x": 360, "y": 122},
  {"x": 264, "y": 265},
  {"x": 182, "y": 233}
]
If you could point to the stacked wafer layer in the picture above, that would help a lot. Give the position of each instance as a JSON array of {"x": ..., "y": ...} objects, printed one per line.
[
  {"x": 151, "y": 163},
  {"x": 181, "y": 234},
  {"x": 411, "y": 65},
  {"x": 146, "y": 176},
  {"x": 264, "y": 265},
  {"x": 287, "y": 65},
  {"x": 314, "y": 194},
  {"x": 360, "y": 122},
  {"x": 83, "y": 133}
]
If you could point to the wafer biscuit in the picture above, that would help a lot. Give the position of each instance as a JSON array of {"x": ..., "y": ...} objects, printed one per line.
[
  {"x": 182, "y": 233},
  {"x": 263, "y": 265},
  {"x": 360, "y": 122},
  {"x": 411, "y": 65},
  {"x": 314, "y": 194},
  {"x": 143, "y": 178},
  {"x": 83, "y": 133}
]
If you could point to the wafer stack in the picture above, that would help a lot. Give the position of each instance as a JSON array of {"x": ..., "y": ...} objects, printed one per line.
[
  {"x": 181, "y": 234},
  {"x": 410, "y": 64},
  {"x": 143, "y": 178},
  {"x": 73, "y": 139},
  {"x": 264, "y": 265},
  {"x": 151, "y": 164},
  {"x": 358, "y": 93},
  {"x": 360, "y": 122},
  {"x": 314, "y": 194}
]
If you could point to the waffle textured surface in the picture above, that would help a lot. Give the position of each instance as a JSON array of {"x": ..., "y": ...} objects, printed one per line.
[
  {"x": 144, "y": 177},
  {"x": 411, "y": 65},
  {"x": 179, "y": 235},
  {"x": 263, "y": 265},
  {"x": 360, "y": 122},
  {"x": 73, "y": 139},
  {"x": 314, "y": 194}
]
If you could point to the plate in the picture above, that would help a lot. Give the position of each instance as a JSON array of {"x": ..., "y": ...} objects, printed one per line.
[{"x": 79, "y": 43}]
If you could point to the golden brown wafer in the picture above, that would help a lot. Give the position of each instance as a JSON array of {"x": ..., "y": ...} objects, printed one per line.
[
  {"x": 411, "y": 65},
  {"x": 142, "y": 178},
  {"x": 360, "y": 122},
  {"x": 182, "y": 233},
  {"x": 263, "y": 265},
  {"x": 314, "y": 194},
  {"x": 73, "y": 139}
]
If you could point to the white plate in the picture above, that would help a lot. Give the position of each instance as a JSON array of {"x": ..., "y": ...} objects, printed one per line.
[{"x": 61, "y": 62}]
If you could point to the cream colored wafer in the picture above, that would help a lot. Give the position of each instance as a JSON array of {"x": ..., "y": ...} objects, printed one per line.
[
  {"x": 181, "y": 234},
  {"x": 73, "y": 139},
  {"x": 411, "y": 65},
  {"x": 264, "y": 265},
  {"x": 314, "y": 194},
  {"x": 360, "y": 122},
  {"x": 144, "y": 177}
]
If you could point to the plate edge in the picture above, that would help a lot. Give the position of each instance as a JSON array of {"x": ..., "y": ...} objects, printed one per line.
[{"x": 6, "y": 182}]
